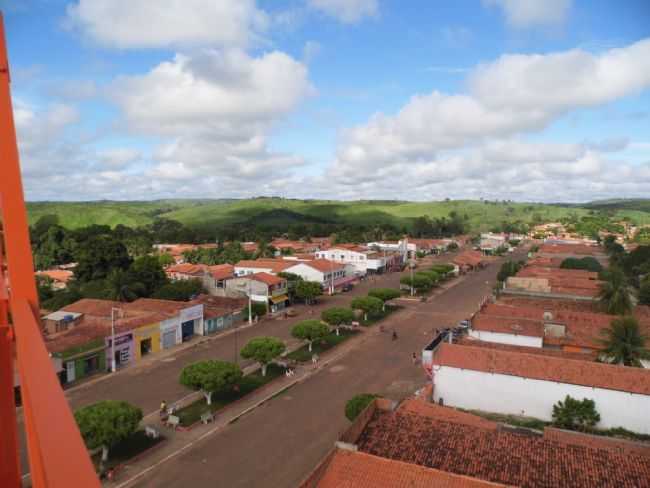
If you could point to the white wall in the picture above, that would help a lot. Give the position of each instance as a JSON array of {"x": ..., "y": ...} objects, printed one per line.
[
  {"x": 502, "y": 338},
  {"x": 245, "y": 270},
  {"x": 357, "y": 259},
  {"x": 535, "y": 398},
  {"x": 307, "y": 273}
]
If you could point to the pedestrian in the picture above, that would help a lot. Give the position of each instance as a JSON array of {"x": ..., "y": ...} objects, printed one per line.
[
  {"x": 163, "y": 408},
  {"x": 415, "y": 359},
  {"x": 394, "y": 335}
]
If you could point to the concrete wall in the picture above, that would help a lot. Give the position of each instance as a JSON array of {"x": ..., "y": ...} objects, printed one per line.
[
  {"x": 502, "y": 338},
  {"x": 147, "y": 332},
  {"x": 535, "y": 398},
  {"x": 539, "y": 285}
]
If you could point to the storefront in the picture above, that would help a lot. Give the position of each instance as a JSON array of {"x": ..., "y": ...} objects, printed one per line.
[
  {"x": 191, "y": 322},
  {"x": 218, "y": 322},
  {"x": 170, "y": 332},
  {"x": 124, "y": 349},
  {"x": 147, "y": 340},
  {"x": 278, "y": 302}
]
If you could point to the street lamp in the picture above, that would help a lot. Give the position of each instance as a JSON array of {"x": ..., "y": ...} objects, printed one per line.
[{"x": 411, "y": 266}]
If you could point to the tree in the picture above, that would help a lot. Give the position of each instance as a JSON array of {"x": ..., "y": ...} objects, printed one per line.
[
  {"x": 357, "y": 404},
  {"x": 118, "y": 286},
  {"x": 165, "y": 259},
  {"x": 181, "y": 290},
  {"x": 106, "y": 423},
  {"x": 624, "y": 343},
  {"x": 263, "y": 350},
  {"x": 588, "y": 263},
  {"x": 384, "y": 294},
  {"x": 369, "y": 305},
  {"x": 310, "y": 331},
  {"x": 292, "y": 279},
  {"x": 210, "y": 377},
  {"x": 148, "y": 271},
  {"x": 575, "y": 414},
  {"x": 336, "y": 316},
  {"x": 615, "y": 293},
  {"x": 98, "y": 255},
  {"x": 420, "y": 282},
  {"x": 644, "y": 292},
  {"x": 308, "y": 290}
]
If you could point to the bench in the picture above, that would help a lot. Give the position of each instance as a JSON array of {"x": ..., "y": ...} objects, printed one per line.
[
  {"x": 173, "y": 421},
  {"x": 207, "y": 417},
  {"x": 151, "y": 432}
]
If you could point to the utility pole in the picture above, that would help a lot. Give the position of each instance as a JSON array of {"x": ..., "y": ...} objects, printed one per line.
[
  {"x": 113, "y": 364},
  {"x": 411, "y": 266},
  {"x": 250, "y": 304}
]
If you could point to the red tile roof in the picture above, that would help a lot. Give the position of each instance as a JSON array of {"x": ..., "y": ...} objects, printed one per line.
[
  {"x": 348, "y": 469},
  {"x": 266, "y": 278},
  {"x": 469, "y": 258},
  {"x": 92, "y": 306},
  {"x": 501, "y": 456},
  {"x": 575, "y": 249},
  {"x": 156, "y": 305},
  {"x": 544, "y": 351},
  {"x": 218, "y": 271},
  {"x": 323, "y": 265},
  {"x": 545, "y": 368},
  {"x": 232, "y": 304},
  {"x": 275, "y": 265},
  {"x": 611, "y": 444},
  {"x": 61, "y": 275}
]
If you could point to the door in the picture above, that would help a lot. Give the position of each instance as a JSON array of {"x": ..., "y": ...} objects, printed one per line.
[
  {"x": 169, "y": 338},
  {"x": 69, "y": 372},
  {"x": 187, "y": 330},
  {"x": 145, "y": 346}
]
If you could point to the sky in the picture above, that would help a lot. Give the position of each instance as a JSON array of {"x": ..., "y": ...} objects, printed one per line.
[{"x": 527, "y": 100}]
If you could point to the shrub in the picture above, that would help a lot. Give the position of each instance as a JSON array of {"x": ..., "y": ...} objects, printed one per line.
[
  {"x": 575, "y": 414},
  {"x": 587, "y": 263},
  {"x": 357, "y": 404}
]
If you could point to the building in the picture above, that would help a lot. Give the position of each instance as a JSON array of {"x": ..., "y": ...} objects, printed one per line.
[
  {"x": 59, "y": 277},
  {"x": 213, "y": 278},
  {"x": 538, "y": 281},
  {"x": 220, "y": 313},
  {"x": 418, "y": 444},
  {"x": 522, "y": 383},
  {"x": 362, "y": 260},
  {"x": 491, "y": 242},
  {"x": 270, "y": 266},
  {"x": 329, "y": 274},
  {"x": 469, "y": 261},
  {"x": 262, "y": 288},
  {"x": 176, "y": 250}
]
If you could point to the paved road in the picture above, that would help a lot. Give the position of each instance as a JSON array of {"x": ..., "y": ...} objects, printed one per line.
[
  {"x": 278, "y": 444},
  {"x": 146, "y": 384}
]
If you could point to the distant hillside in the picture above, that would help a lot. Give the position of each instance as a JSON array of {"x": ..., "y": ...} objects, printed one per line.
[
  {"x": 636, "y": 204},
  {"x": 277, "y": 211}
]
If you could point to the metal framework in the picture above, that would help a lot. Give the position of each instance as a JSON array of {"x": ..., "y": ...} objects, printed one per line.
[{"x": 57, "y": 454}]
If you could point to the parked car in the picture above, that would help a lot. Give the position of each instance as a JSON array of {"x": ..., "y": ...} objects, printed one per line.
[
  {"x": 464, "y": 324},
  {"x": 347, "y": 287}
]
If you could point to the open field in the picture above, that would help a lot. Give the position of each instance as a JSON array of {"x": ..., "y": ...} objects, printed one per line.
[{"x": 218, "y": 213}]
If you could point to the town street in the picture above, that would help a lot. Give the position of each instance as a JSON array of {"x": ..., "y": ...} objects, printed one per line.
[{"x": 279, "y": 443}]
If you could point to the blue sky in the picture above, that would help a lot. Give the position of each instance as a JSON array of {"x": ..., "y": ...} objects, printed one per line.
[{"x": 542, "y": 100}]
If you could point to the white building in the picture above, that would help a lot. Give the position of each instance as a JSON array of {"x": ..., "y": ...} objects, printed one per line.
[
  {"x": 491, "y": 242},
  {"x": 514, "y": 331},
  {"x": 362, "y": 260},
  {"x": 270, "y": 266},
  {"x": 517, "y": 383},
  {"x": 329, "y": 274}
]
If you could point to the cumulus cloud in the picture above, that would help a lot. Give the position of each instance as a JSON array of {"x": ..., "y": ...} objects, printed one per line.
[
  {"x": 531, "y": 13},
  {"x": 346, "y": 11},
  {"x": 168, "y": 23}
]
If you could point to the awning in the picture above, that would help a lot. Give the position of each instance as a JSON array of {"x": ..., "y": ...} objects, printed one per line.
[{"x": 279, "y": 299}]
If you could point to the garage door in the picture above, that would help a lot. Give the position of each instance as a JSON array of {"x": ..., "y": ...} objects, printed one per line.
[{"x": 169, "y": 339}]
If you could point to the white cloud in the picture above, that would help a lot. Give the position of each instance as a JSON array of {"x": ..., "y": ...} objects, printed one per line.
[
  {"x": 346, "y": 11},
  {"x": 119, "y": 157},
  {"x": 168, "y": 23},
  {"x": 531, "y": 13}
]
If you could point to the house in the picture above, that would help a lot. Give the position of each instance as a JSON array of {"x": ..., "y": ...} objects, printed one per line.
[
  {"x": 270, "y": 266},
  {"x": 220, "y": 313},
  {"x": 420, "y": 444},
  {"x": 362, "y": 260},
  {"x": 469, "y": 260},
  {"x": 491, "y": 242},
  {"x": 59, "y": 277},
  {"x": 184, "y": 317},
  {"x": 554, "y": 282},
  {"x": 263, "y": 288},
  {"x": 213, "y": 277},
  {"x": 522, "y": 383},
  {"x": 329, "y": 274},
  {"x": 176, "y": 250}
]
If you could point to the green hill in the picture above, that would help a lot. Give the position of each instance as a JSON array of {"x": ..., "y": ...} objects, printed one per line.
[{"x": 278, "y": 211}]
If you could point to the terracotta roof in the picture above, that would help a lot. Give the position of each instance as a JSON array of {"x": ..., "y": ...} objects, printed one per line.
[
  {"x": 508, "y": 325},
  {"x": 275, "y": 265},
  {"x": 545, "y": 368},
  {"x": 93, "y": 306},
  {"x": 88, "y": 329},
  {"x": 221, "y": 271},
  {"x": 218, "y": 271},
  {"x": 500, "y": 456},
  {"x": 232, "y": 304},
  {"x": 156, "y": 305},
  {"x": 61, "y": 275},
  {"x": 347, "y": 246},
  {"x": 544, "y": 351},
  {"x": 611, "y": 444},
  {"x": 266, "y": 278},
  {"x": 323, "y": 265},
  {"x": 348, "y": 469},
  {"x": 550, "y": 303},
  {"x": 471, "y": 258},
  {"x": 436, "y": 412},
  {"x": 577, "y": 249}
]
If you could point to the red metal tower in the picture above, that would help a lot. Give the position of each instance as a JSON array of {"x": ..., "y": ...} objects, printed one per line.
[{"x": 57, "y": 455}]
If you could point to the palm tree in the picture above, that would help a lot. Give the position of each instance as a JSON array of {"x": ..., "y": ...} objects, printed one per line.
[
  {"x": 615, "y": 295},
  {"x": 624, "y": 343}
]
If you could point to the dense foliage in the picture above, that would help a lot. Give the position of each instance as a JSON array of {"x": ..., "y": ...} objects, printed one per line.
[
  {"x": 574, "y": 414},
  {"x": 106, "y": 423},
  {"x": 357, "y": 404},
  {"x": 369, "y": 305},
  {"x": 615, "y": 294},
  {"x": 587, "y": 263},
  {"x": 624, "y": 343},
  {"x": 210, "y": 377},
  {"x": 263, "y": 350},
  {"x": 509, "y": 268}
]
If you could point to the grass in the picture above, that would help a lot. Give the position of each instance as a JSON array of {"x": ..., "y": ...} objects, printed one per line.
[
  {"x": 538, "y": 424},
  {"x": 218, "y": 213},
  {"x": 127, "y": 449},
  {"x": 192, "y": 413},
  {"x": 330, "y": 341}
]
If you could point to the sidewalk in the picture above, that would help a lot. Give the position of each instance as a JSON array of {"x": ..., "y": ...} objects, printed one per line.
[{"x": 178, "y": 441}]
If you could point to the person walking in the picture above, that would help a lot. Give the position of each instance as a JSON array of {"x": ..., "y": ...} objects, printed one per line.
[
  {"x": 163, "y": 409},
  {"x": 394, "y": 335},
  {"x": 415, "y": 359}
]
